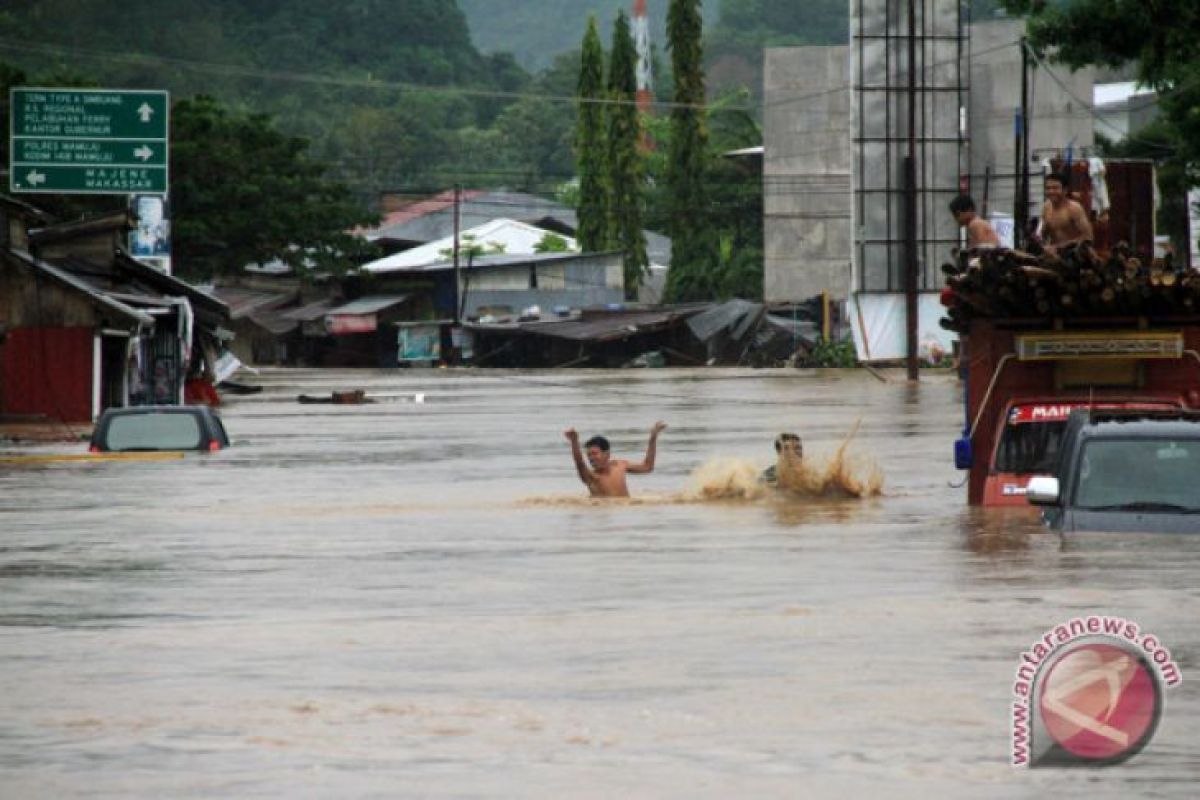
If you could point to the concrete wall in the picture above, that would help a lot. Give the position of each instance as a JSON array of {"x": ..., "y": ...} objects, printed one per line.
[
  {"x": 808, "y": 152},
  {"x": 577, "y": 283},
  {"x": 1060, "y": 114},
  {"x": 806, "y": 172},
  {"x": 880, "y": 126}
]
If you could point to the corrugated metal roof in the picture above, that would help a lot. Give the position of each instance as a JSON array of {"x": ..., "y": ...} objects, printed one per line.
[
  {"x": 605, "y": 326},
  {"x": 274, "y": 322},
  {"x": 502, "y": 260},
  {"x": 308, "y": 313},
  {"x": 508, "y": 235},
  {"x": 96, "y": 295},
  {"x": 245, "y": 302},
  {"x": 368, "y": 305},
  {"x": 735, "y": 315}
]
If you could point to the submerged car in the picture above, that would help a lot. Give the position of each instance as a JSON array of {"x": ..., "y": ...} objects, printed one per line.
[
  {"x": 1124, "y": 471},
  {"x": 152, "y": 428}
]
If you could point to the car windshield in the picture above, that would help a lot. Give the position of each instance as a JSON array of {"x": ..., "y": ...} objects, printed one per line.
[
  {"x": 1140, "y": 475},
  {"x": 1029, "y": 447},
  {"x": 153, "y": 431}
]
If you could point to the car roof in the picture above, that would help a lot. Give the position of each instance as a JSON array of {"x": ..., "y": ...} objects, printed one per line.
[
  {"x": 133, "y": 410},
  {"x": 1102, "y": 423}
]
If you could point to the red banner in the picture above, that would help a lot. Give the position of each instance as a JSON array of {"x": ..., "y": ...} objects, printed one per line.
[{"x": 1058, "y": 412}]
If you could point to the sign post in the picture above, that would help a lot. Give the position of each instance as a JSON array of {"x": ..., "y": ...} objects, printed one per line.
[{"x": 88, "y": 141}]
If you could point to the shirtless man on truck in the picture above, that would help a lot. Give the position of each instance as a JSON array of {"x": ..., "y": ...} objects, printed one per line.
[
  {"x": 606, "y": 476},
  {"x": 1064, "y": 221},
  {"x": 980, "y": 233}
]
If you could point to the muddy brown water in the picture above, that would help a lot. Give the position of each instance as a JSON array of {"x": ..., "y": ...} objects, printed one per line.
[{"x": 416, "y": 599}]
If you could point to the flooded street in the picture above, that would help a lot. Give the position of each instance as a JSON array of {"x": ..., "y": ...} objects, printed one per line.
[{"x": 417, "y": 599}]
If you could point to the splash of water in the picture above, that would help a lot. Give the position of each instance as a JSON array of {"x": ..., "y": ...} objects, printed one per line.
[
  {"x": 841, "y": 475},
  {"x": 725, "y": 479}
]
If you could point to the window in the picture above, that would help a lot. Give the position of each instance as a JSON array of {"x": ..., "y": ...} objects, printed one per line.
[
  {"x": 154, "y": 431},
  {"x": 1030, "y": 447},
  {"x": 1117, "y": 472}
]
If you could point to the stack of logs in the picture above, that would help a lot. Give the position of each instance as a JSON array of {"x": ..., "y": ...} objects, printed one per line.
[{"x": 1074, "y": 282}]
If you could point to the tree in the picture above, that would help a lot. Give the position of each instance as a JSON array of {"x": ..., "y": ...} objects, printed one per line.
[
  {"x": 589, "y": 145},
  {"x": 626, "y": 177},
  {"x": 1158, "y": 37},
  {"x": 552, "y": 243},
  {"x": 694, "y": 246},
  {"x": 243, "y": 193}
]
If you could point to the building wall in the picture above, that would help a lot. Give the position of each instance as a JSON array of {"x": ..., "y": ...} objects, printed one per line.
[
  {"x": 577, "y": 283},
  {"x": 807, "y": 155},
  {"x": 96, "y": 247},
  {"x": 26, "y": 301},
  {"x": 880, "y": 42},
  {"x": 48, "y": 371},
  {"x": 1060, "y": 115},
  {"x": 806, "y": 173}
]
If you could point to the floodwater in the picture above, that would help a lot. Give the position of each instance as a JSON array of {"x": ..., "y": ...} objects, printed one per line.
[{"x": 416, "y": 599}]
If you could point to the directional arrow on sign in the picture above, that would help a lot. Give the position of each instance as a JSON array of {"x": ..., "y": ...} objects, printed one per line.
[
  {"x": 144, "y": 153},
  {"x": 34, "y": 177},
  {"x": 145, "y": 112}
]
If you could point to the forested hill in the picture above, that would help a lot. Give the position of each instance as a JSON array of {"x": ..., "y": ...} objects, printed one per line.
[
  {"x": 736, "y": 31},
  {"x": 387, "y": 91},
  {"x": 535, "y": 35},
  {"x": 423, "y": 41}
]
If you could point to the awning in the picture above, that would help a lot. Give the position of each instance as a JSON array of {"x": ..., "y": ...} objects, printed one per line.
[
  {"x": 248, "y": 302},
  {"x": 360, "y": 316}
]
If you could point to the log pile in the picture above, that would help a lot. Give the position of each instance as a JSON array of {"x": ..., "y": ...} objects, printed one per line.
[{"x": 1075, "y": 282}]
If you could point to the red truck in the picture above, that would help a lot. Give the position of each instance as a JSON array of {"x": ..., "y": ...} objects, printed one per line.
[
  {"x": 1023, "y": 381},
  {"x": 1135, "y": 345}
]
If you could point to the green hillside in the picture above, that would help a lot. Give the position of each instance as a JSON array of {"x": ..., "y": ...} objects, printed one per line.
[
  {"x": 391, "y": 93},
  {"x": 535, "y": 37}
]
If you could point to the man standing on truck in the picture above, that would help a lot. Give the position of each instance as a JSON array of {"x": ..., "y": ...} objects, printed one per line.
[
  {"x": 1064, "y": 221},
  {"x": 980, "y": 232}
]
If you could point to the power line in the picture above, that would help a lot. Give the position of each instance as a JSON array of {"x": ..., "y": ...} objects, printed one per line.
[
  {"x": 1089, "y": 109},
  {"x": 237, "y": 71}
]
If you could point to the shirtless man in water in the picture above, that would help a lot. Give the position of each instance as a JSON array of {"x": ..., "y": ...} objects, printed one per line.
[
  {"x": 1063, "y": 220},
  {"x": 606, "y": 477}
]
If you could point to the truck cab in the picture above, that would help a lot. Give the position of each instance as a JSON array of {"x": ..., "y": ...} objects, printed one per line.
[{"x": 1025, "y": 379}]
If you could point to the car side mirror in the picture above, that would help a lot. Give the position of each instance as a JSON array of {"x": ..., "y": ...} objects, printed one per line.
[
  {"x": 964, "y": 453},
  {"x": 1042, "y": 490}
]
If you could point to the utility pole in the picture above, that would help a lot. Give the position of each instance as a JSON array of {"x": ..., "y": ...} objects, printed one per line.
[
  {"x": 1021, "y": 196},
  {"x": 457, "y": 225},
  {"x": 912, "y": 264}
]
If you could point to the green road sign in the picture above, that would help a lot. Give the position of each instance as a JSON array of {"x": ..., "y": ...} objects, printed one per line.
[{"x": 88, "y": 141}]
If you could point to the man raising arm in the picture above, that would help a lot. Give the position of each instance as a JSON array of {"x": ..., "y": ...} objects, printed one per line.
[
  {"x": 647, "y": 464},
  {"x": 606, "y": 476}
]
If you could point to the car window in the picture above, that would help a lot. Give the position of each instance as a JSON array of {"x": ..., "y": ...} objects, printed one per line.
[
  {"x": 156, "y": 431},
  {"x": 1150, "y": 472},
  {"x": 1029, "y": 447}
]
